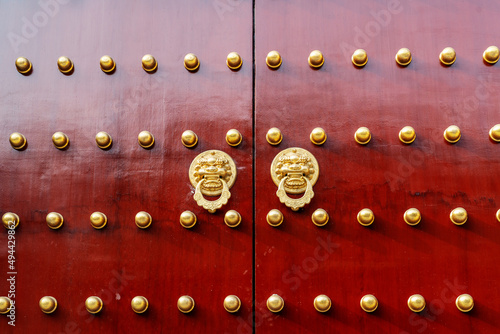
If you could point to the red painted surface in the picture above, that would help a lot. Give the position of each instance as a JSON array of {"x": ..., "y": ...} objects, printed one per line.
[{"x": 390, "y": 259}]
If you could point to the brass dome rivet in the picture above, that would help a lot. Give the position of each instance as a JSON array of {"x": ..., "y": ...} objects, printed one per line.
[
  {"x": 143, "y": 219},
  {"x": 17, "y": 141},
  {"x": 274, "y": 217},
  {"x": 189, "y": 138},
  {"x": 23, "y": 65},
  {"x": 5, "y": 305},
  {"x": 108, "y": 65},
  {"x": 149, "y": 63},
  {"x": 139, "y": 304},
  {"x": 452, "y": 134},
  {"x": 498, "y": 215},
  {"x": 98, "y": 220},
  {"x": 273, "y": 60},
  {"x": 191, "y": 62},
  {"x": 93, "y": 304},
  {"x": 362, "y": 135},
  {"x": 232, "y": 303},
  {"x": 369, "y": 303},
  {"x": 318, "y": 136},
  {"x": 464, "y": 302},
  {"x": 233, "y": 137},
  {"x": 320, "y": 217},
  {"x": 412, "y": 216},
  {"x": 495, "y": 133},
  {"x": 103, "y": 140},
  {"x": 65, "y": 65},
  {"x": 185, "y": 304},
  {"x": 366, "y": 217},
  {"x": 403, "y": 57},
  {"x": 416, "y": 303},
  {"x": 448, "y": 56},
  {"x": 274, "y": 136},
  {"x": 491, "y": 55},
  {"x": 232, "y": 218},
  {"x": 234, "y": 61},
  {"x": 407, "y": 135},
  {"x": 146, "y": 139},
  {"x": 322, "y": 303},
  {"x": 458, "y": 216},
  {"x": 359, "y": 58},
  {"x": 60, "y": 140},
  {"x": 10, "y": 220},
  {"x": 188, "y": 219},
  {"x": 54, "y": 220},
  {"x": 316, "y": 59},
  {"x": 48, "y": 304},
  {"x": 275, "y": 303}
]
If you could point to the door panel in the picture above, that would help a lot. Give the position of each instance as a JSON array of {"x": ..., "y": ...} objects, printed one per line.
[
  {"x": 165, "y": 261},
  {"x": 389, "y": 259}
]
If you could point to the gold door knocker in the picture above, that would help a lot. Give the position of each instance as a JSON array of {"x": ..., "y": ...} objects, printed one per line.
[
  {"x": 212, "y": 173},
  {"x": 295, "y": 171}
]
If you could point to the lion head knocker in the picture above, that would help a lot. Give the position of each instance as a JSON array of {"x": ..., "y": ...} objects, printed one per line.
[
  {"x": 295, "y": 171},
  {"x": 212, "y": 173}
]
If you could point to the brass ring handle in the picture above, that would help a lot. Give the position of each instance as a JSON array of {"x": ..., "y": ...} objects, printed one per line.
[
  {"x": 295, "y": 203},
  {"x": 212, "y": 206}
]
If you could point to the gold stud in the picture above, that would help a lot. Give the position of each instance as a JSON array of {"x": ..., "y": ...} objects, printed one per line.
[
  {"x": 185, "y": 304},
  {"x": 23, "y": 65},
  {"x": 274, "y": 136},
  {"x": 318, "y": 136},
  {"x": 407, "y": 135},
  {"x": 458, "y": 216},
  {"x": 491, "y": 55},
  {"x": 65, "y": 65},
  {"x": 403, "y": 57},
  {"x": 498, "y": 215},
  {"x": 149, "y": 63},
  {"x": 98, "y": 220},
  {"x": 316, "y": 59},
  {"x": 103, "y": 140},
  {"x": 232, "y": 303},
  {"x": 369, "y": 303},
  {"x": 464, "y": 302},
  {"x": 188, "y": 219},
  {"x": 189, "y": 138},
  {"x": 452, "y": 134},
  {"x": 320, "y": 217},
  {"x": 191, "y": 62},
  {"x": 60, "y": 140},
  {"x": 48, "y": 304},
  {"x": 495, "y": 133},
  {"x": 93, "y": 304},
  {"x": 275, "y": 303},
  {"x": 17, "y": 141},
  {"x": 54, "y": 220},
  {"x": 10, "y": 220},
  {"x": 362, "y": 135},
  {"x": 108, "y": 65},
  {"x": 233, "y": 137},
  {"x": 139, "y": 304},
  {"x": 273, "y": 60},
  {"x": 448, "y": 56},
  {"x": 322, "y": 303},
  {"x": 146, "y": 139},
  {"x": 412, "y": 217},
  {"x": 232, "y": 218},
  {"x": 5, "y": 305},
  {"x": 143, "y": 219},
  {"x": 234, "y": 61},
  {"x": 274, "y": 217},
  {"x": 366, "y": 217},
  {"x": 416, "y": 303},
  {"x": 359, "y": 58}
]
